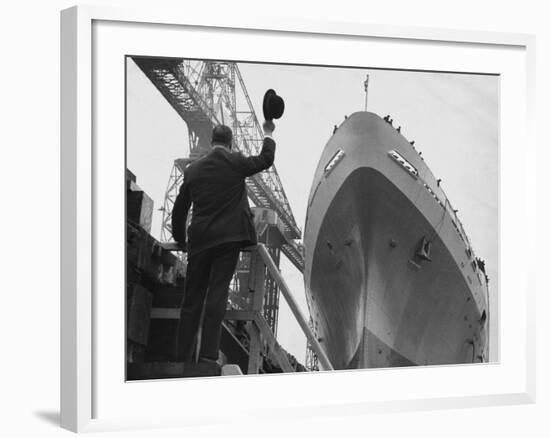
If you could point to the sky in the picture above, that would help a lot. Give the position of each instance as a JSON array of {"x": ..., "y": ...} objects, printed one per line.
[{"x": 453, "y": 119}]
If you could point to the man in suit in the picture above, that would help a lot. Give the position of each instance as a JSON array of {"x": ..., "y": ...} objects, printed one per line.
[{"x": 221, "y": 225}]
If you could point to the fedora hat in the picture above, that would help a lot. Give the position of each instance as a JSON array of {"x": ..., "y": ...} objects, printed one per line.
[{"x": 273, "y": 106}]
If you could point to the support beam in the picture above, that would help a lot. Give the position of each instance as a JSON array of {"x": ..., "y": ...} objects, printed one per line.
[
  {"x": 285, "y": 290},
  {"x": 255, "y": 349}
]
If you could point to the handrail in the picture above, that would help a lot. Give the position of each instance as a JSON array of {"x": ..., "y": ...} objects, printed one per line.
[{"x": 287, "y": 294}]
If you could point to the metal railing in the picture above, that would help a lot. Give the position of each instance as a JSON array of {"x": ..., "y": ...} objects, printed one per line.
[
  {"x": 255, "y": 316},
  {"x": 294, "y": 307}
]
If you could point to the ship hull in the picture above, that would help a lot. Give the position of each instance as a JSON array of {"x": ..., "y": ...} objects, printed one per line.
[{"x": 376, "y": 300}]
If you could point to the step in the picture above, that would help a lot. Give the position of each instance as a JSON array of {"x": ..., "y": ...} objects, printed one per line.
[{"x": 170, "y": 370}]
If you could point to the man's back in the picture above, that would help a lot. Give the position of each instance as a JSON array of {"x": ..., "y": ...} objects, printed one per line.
[{"x": 215, "y": 185}]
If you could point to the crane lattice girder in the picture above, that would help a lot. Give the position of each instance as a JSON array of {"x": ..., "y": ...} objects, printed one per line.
[
  {"x": 160, "y": 74},
  {"x": 265, "y": 188}
]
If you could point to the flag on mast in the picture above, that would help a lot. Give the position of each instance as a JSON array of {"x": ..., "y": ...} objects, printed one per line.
[{"x": 366, "y": 84}]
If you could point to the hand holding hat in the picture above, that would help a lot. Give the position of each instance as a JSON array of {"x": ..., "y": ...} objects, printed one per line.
[{"x": 268, "y": 127}]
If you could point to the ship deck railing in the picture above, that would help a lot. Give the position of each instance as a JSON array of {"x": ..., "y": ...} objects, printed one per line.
[{"x": 442, "y": 199}]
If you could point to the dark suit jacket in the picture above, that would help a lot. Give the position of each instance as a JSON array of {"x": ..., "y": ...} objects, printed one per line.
[{"x": 215, "y": 185}]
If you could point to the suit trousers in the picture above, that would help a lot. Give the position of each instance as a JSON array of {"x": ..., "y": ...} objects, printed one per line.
[{"x": 206, "y": 286}]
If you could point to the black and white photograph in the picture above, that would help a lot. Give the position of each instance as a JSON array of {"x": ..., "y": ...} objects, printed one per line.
[
  {"x": 281, "y": 219},
  {"x": 285, "y": 218}
]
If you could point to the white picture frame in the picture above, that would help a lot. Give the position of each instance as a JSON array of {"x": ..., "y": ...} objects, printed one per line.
[{"x": 85, "y": 375}]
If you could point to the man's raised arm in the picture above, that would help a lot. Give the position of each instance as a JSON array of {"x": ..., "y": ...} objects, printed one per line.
[{"x": 254, "y": 164}]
